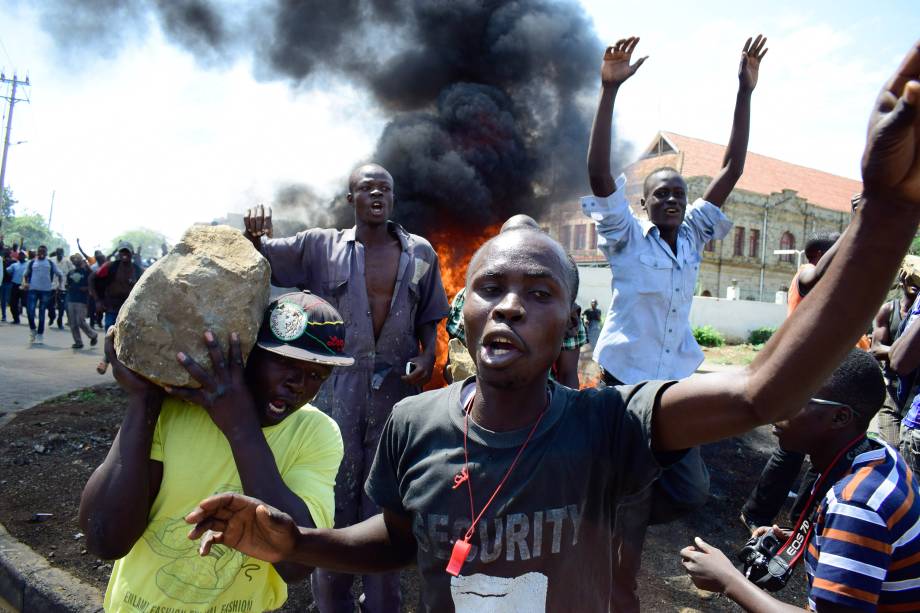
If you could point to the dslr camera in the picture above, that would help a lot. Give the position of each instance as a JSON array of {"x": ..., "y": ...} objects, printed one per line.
[{"x": 762, "y": 565}]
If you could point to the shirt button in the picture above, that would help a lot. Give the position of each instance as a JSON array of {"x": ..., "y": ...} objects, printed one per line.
[
  {"x": 667, "y": 351},
  {"x": 673, "y": 310},
  {"x": 670, "y": 330},
  {"x": 676, "y": 289}
]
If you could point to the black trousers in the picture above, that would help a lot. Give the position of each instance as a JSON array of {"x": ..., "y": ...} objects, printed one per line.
[
  {"x": 17, "y": 300},
  {"x": 776, "y": 481}
]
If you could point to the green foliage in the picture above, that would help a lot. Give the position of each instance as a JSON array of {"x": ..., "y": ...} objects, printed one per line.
[
  {"x": 7, "y": 204},
  {"x": 707, "y": 336},
  {"x": 32, "y": 231},
  {"x": 144, "y": 239},
  {"x": 761, "y": 335}
]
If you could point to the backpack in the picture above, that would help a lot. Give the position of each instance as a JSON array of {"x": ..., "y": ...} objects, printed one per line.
[{"x": 29, "y": 272}]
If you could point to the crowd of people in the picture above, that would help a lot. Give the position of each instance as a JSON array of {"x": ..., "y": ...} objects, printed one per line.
[{"x": 511, "y": 488}]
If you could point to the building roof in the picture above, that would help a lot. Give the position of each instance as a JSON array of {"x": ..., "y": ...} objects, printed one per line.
[{"x": 763, "y": 175}]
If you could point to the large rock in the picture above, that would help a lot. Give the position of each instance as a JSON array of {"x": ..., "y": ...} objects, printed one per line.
[{"x": 213, "y": 279}]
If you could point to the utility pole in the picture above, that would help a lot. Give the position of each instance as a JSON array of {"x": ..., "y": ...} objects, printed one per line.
[
  {"x": 51, "y": 212},
  {"x": 9, "y": 121}
]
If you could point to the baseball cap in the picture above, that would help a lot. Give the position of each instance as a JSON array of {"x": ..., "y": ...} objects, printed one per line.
[
  {"x": 125, "y": 245},
  {"x": 303, "y": 326}
]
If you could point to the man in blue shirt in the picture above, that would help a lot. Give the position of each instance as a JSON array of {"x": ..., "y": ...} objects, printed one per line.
[
  {"x": 38, "y": 279},
  {"x": 655, "y": 263}
]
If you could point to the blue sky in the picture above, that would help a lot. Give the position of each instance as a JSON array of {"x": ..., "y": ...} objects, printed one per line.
[{"x": 149, "y": 137}]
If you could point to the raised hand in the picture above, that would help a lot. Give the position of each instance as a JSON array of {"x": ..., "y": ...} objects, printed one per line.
[
  {"x": 616, "y": 67},
  {"x": 891, "y": 161},
  {"x": 258, "y": 222},
  {"x": 223, "y": 394},
  {"x": 245, "y": 524},
  {"x": 751, "y": 55}
]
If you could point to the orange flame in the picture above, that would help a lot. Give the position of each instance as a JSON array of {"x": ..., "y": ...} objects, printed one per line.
[{"x": 455, "y": 248}]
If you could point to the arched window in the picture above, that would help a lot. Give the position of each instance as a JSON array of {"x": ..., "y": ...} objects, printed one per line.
[{"x": 787, "y": 241}]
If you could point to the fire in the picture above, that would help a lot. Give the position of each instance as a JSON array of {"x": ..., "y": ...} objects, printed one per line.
[{"x": 455, "y": 247}]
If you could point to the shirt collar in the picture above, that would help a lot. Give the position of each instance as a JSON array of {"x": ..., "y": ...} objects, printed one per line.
[{"x": 394, "y": 228}]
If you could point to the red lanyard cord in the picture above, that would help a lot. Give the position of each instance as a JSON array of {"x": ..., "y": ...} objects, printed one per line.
[{"x": 466, "y": 465}]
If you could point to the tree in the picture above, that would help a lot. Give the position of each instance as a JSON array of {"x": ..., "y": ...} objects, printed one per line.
[
  {"x": 7, "y": 202},
  {"x": 32, "y": 231},
  {"x": 145, "y": 239}
]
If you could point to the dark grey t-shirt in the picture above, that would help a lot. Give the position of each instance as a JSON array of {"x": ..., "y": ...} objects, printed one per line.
[{"x": 544, "y": 543}]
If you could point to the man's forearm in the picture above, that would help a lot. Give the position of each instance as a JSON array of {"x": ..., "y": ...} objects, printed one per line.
[
  {"x": 601, "y": 179},
  {"x": 805, "y": 349},
  {"x": 754, "y": 600},
  {"x": 366, "y": 547},
  {"x": 261, "y": 479},
  {"x": 823, "y": 329},
  {"x": 735, "y": 152}
]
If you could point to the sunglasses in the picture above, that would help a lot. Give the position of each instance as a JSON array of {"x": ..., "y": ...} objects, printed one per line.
[{"x": 828, "y": 403}]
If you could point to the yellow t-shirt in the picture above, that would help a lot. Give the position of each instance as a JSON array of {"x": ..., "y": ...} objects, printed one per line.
[{"x": 163, "y": 571}]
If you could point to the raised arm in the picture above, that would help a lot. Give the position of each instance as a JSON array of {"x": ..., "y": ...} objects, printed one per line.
[
  {"x": 614, "y": 72},
  {"x": 809, "y": 345},
  {"x": 116, "y": 500},
  {"x": 736, "y": 152},
  {"x": 881, "y": 333}
]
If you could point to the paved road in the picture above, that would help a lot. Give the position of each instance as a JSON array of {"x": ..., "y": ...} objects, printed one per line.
[{"x": 29, "y": 375}]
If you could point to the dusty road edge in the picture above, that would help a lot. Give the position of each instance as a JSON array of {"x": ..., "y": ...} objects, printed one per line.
[{"x": 31, "y": 584}]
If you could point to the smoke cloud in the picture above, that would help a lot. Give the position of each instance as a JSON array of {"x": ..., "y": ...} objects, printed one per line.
[{"x": 490, "y": 101}]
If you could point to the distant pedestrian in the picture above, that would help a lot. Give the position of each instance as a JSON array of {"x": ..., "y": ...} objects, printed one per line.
[
  {"x": 59, "y": 289},
  {"x": 38, "y": 279},
  {"x": 592, "y": 318},
  {"x": 95, "y": 262},
  {"x": 17, "y": 294},
  {"x": 6, "y": 286},
  {"x": 110, "y": 286},
  {"x": 77, "y": 297}
]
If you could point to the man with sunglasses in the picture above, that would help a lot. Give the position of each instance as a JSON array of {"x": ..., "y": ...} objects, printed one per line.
[{"x": 862, "y": 553}]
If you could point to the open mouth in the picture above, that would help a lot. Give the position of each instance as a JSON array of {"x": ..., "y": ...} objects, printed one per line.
[
  {"x": 277, "y": 407},
  {"x": 377, "y": 206},
  {"x": 672, "y": 210},
  {"x": 499, "y": 349}
]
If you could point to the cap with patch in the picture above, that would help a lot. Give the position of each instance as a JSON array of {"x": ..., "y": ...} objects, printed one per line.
[{"x": 303, "y": 326}]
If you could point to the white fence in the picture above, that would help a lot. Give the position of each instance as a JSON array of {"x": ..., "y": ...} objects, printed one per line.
[{"x": 733, "y": 318}]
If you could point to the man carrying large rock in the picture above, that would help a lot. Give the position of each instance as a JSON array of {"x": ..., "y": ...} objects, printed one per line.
[{"x": 387, "y": 285}]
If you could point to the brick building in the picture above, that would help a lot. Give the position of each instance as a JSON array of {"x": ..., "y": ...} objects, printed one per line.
[{"x": 775, "y": 205}]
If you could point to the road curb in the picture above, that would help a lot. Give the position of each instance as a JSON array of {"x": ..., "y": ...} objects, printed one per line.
[{"x": 32, "y": 585}]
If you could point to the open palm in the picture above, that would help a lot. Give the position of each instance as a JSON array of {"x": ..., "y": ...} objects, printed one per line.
[
  {"x": 245, "y": 524},
  {"x": 891, "y": 161},
  {"x": 751, "y": 55},
  {"x": 616, "y": 67}
]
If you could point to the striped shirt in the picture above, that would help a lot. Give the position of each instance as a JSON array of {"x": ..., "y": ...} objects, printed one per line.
[{"x": 865, "y": 550}]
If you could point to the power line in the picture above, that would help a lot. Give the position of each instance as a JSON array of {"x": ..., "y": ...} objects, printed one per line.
[{"x": 14, "y": 82}]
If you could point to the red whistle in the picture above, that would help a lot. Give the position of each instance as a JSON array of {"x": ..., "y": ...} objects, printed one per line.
[
  {"x": 458, "y": 556},
  {"x": 460, "y": 477}
]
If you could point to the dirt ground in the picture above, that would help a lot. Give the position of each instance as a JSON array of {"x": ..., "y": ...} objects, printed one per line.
[{"x": 47, "y": 454}]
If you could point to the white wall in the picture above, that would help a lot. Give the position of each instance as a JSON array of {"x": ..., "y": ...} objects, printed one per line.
[
  {"x": 736, "y": 318},
  {"x": 733, "y": 318}
]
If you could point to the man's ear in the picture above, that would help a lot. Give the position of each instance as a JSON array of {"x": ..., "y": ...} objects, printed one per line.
[
  {"x": 574, "y": 321},
  {"x": 843, "y": 417},
  {"x": 350, "y": 198},
  {"x": 642, "y": 203}
]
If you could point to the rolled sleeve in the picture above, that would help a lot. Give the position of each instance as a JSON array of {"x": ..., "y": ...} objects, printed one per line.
[
  {"x": 289, "y": 259},
  {"x": 632, "y": 446},
  {"x": 612, "y": 215},
  {"x": 433, "y": 305},
  {"x": 707, "y": 221}
]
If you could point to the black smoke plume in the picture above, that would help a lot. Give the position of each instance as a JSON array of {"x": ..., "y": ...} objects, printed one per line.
[{"x": 490, "y": 100}]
